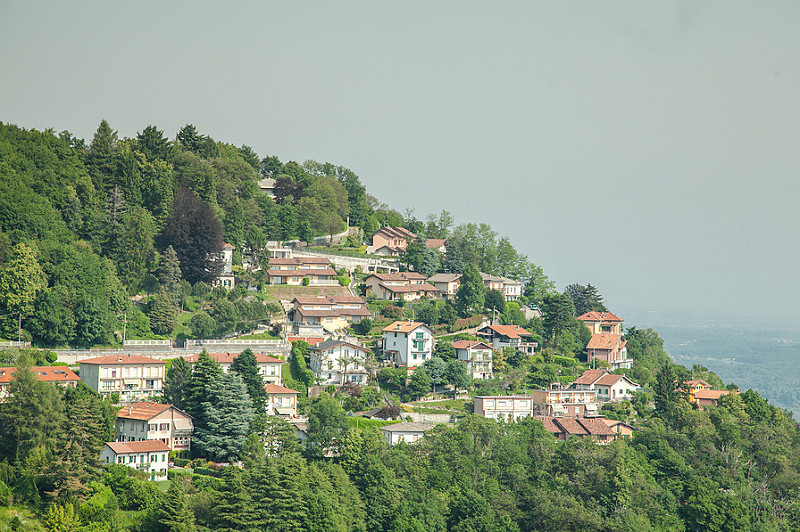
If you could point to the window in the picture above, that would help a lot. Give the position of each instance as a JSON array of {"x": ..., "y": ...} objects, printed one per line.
[
  {"x": 150, "y": 384},
  {"x": 163, "y": 426},
  {"x": 113, "y": 374},
  {"x": 420, "y": 335},
  {"x": 605, "y": 328},
  {"x": 152, "y": 426}
]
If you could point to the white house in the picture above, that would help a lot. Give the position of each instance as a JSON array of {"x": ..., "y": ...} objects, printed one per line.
[
  {"x": 406, "y": 431},
  {"x": 133, "y": 376},
  {"x": 609, "y": 387},
  {"x": 60, "y": 375},
  {"x": 150, "y": 456},
  {"x": 408, "y": 343},
  {"x": 337, "y": 362},
  {"x": 155, "y": 421},
  {"x": 506, "y": 407},
  {"x": 409, "y": 286},
  {"x": 501, "y": 336},
  {"x": 477, "y": 356},
  {"x": 225, "y": 277},
  {"x": 446, "y": 283}
]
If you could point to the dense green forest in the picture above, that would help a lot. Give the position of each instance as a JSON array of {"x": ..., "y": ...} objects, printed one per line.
[{"x": 87, "y": 228}]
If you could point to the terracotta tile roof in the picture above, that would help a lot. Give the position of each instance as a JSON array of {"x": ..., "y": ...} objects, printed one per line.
[
  {"x": 710, "y": 394},
  {"x": 469, "y": 344},
  {"x": 311, "y": 340},
  {"x": 589, "y": 376},
  {"x": 596, "y": 427},
  {"x": 571, "y": 426},
  {"x": 697, "y": 382},
  {"x": 549, "y": 425},
  {"x": 305, "y": 272},
  {"x": 227, "y": 358},
  {"x": 328, "y": 300},
  {"x": 604, "y": 341},
  {"x": 395, "y": 232},
  {"x": 511, "y": 331},
  {"x": 274, "y": 388},
  {"x": 332, "y": 313},
  {"x": 435, "y": 243},
  {"x": 330, "y": 344},
  {"x": 43, "y": 373},
  {"x": 128, "y": 447},
  {"x": 295, "y": 261},
  {"x": 225, "y": 245},
  {"x": 143, "y": 410},
  {"x": 599, "y": 316},
  {"x": 444, "y": 277},
  {"x": 610, "y": 379},
  {"x": 399, "y": 276},
  {"x": 404, "y": 326},
  {"x": 116, "y": 360}
]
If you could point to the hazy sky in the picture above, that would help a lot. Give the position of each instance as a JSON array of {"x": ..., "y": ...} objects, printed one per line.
[{"x": 650, "y": 148}]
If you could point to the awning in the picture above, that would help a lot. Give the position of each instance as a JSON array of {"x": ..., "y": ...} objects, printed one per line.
[
  {"x": 283, "y": 411},
  {"x": 130, "y": 381},
  {"x": 182, "y": 425}
]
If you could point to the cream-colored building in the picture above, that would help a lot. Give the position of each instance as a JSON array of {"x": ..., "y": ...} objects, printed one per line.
[
  {"x": 281, "y": 401},
  {"x": 477, "y": 356},
  {"x": 407, "y": 343},
  {"x": 135, "y": 377},
  {"x": 602, "y": 322},
  {"x": 504, "y": 407},
  {"x": 269, "y": 367},
  {"x": 155, "y": 421},
  {"x": 149, "y": 456}
]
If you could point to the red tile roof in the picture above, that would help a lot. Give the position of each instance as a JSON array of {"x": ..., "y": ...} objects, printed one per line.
[
  {"x": 305, "y": 272},
  {"x": 599, "y": 316},
  {"x": 328, "y": 300},
  {"x": 710, "y": 394},
  {"x": 406, "y": 288},
  {"x": 274, "y": 388},
  {"x": 403, "y": 326},
  {"x": 596, "y": 427},
  {"x": 697, "y": 382},
  {"x": 43, "y": 373},
  {"x": 116, "y": 360},
  {"x": 590, "y": 376},
  {"x": 435, "y": 243},
  {"x": 395, "y": 232},
  {"x": 571, "y": 426},
  {"x": 227, "y": 358},
  {"x": 604, "y": 341},
  {"x": 298, "y": 261},
  {"x": 399, "y": 276},
  {"x": 511, "y": 331},
  {"x": 143, "y": 410},
  {"x": 128, "y": 447},
  {"x": 312, "y": 340},
  {"x": 469, "y": 344}
]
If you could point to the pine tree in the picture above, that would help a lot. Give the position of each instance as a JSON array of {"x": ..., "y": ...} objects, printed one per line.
[
  {"x": 246, "y": 366},
  {"x": 224, "y": 420},
  {"x": 176, "y": 383},
  {"x": 173, "y": 513},
  {"x": 100, "y": 157},
  {"x": 162, "y": 314},
  {"x": 278, "y": 500},
  {"x": 205, "y": 369},
  {"x": 169, "y": 274}
]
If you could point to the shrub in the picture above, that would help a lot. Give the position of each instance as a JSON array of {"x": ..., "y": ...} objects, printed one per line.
[{"x": 306, "y": 281}]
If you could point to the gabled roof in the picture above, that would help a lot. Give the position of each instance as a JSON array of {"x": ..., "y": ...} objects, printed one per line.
[
  {"x": 605, "y": 341},
  {"x": 225, "y": 245},
  {"x": 395, "y": 232},
  {"x": 697, "y": 382},
  {"x": 227, "y": 358},
  {"x": 470, "y": 344},
  {"x": 144, "y": 446},
  {"x": 407, "y": 426},
  {"x": 571, "y": 426},
  {"x": 601, "y": 377},
  {"x": 444, "y": 277},
  {"x": 142, "y": 410},
  {"x": 511, "y": 331},
  {"x": 399, "y": 276},
  {"x": 710, "y": 394},
  {"x": 330, "y": 344},
  {"x": 303, "y": 272},
  {"x": 595, "y": 427},
  {"x": 610, "y": 379},
  {"x": 435, "y": 243},
  {"x": 43, "y": 373},
  {"x": 116, "y": 360},
  {"x": 404, "y": 326},
  {"x": 590, "y": 376},
  {"x": 599, "y": 316},
  {"x": 274, "y": 388}
]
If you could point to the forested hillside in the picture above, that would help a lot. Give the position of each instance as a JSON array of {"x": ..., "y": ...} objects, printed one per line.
[{"x": 123, "y": 234}]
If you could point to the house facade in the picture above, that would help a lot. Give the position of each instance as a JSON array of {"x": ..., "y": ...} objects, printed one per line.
[
  {"x": 477, "y": 356},
  {"x": 504, "y": 407},
  {"x": 405, "y": 431},
  {"x": 293, "y": 271},
  {"x": 409, "y": 286},
  {"x": 602, "y": 322},
  {"x": 314, "y": 314},
  {"x": 500, "y": 336},
  {"x": 558, "y": 402},
  {"x": 269, "y": 367},
  {"x": 60, "y": 375},
  {"x": 446, "y": 283},
  {"x": 151, "y": 457},
  {"x": 407, "y": 343},
  {"x": 609, "y": 387},
  {"x": 391, "y": 240},
  {"x": 338, "y": 362},
  {"x": 146, "y": 420},
  {"x": 609, "y": 348},
  {"x": 281, "y": 401},
  {"x": 225, "y": 277},
  {"x": 135, "y": 377}
]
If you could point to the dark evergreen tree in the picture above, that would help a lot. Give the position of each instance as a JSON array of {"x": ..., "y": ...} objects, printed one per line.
[
  {"x": 100, "y": 159},
  {"x": 246, "y": 366},
  {"x": 203, "y": 372},
  {"x": 585, "y": 298},
  {"x": 235, "y": 509},
  {"x": 195, "y": 233},
  {"x": 169, "y": 274},
  {"x": 223, "y": 423},
  {"x": 469, "y": 297},
  {"x": 176, "y": 383},
  {"x": 173, "y": 513},
  {"x": 559, "y": 313},
  {"x": 162, "y": 314},
  {"x": 152, "y": 142}
]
